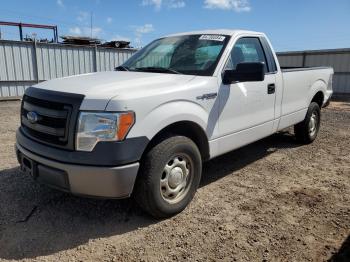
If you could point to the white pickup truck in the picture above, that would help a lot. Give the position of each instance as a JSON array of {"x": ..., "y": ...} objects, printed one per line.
[{"x": 145, "y": 128}]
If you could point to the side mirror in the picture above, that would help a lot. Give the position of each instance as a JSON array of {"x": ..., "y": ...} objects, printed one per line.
[{"x": 245, "y": 72}]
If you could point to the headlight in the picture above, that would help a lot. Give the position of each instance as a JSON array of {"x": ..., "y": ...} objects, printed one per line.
[{"x": 94, "y": 127}]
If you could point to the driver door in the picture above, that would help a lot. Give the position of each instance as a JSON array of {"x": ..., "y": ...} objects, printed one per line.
[{"x": 247, "y": 107}]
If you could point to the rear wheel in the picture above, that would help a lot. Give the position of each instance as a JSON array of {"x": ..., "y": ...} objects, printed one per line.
[
  {"x": 169, "y": 177},
  {"x": 307, "y": 130}
]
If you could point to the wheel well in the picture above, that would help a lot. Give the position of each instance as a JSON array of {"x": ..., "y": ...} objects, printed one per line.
[
  {"x": 184, "y": 128},
  {"x": 318, "y": 98}
]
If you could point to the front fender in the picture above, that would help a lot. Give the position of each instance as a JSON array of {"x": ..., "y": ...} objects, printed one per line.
[{"x": 167, "y": 114}]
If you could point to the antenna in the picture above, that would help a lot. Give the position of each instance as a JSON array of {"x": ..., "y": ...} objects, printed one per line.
[{"x": 91, "y": 24}]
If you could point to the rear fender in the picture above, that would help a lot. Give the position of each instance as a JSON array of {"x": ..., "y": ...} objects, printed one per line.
[{"x": 319, "y": 85}]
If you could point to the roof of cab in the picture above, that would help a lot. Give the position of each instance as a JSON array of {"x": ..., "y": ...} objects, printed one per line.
[{"x": 216, "y": 32}]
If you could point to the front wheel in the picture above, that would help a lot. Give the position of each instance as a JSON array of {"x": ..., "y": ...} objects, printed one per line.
[
  {"x": 307, "y": 130},
  {"x": 169, "y": 177}
]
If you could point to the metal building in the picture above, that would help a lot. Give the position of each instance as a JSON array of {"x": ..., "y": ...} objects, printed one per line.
[
  {"x": 339, "y": 59},
  {"x": 25, "y": 63}
]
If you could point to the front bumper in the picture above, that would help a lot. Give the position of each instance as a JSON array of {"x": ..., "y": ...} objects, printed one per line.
[{"x": 95, "y": 181}]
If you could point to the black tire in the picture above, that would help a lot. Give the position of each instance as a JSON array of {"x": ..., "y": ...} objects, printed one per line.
[
  {"x": 304, "y": 132},
  {"x": 148, "y": 192}
]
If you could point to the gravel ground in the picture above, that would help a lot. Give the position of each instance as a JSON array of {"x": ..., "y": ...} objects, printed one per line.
[{"x": 274, "y": 200}]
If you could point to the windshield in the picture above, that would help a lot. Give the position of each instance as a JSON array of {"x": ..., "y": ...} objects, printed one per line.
[{"x": 186, "y": 54}]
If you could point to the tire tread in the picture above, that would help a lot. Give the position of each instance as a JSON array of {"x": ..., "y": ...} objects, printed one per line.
[
  {"x": 153, "y": 157},
  {"x": 301, "y": 130}
]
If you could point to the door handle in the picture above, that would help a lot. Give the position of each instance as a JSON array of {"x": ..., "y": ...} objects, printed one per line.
[
  {"x": 207, "y": 96},
  {"x": 271, "y": 88}
]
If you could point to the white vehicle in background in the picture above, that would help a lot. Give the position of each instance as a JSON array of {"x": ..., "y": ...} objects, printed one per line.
[{"x": 146, "y": 128}]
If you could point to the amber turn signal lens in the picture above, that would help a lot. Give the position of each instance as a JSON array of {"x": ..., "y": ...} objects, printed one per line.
[{"x": 126, "y": 121}]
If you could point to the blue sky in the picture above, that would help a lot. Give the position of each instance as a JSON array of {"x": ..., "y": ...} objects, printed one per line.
[{"x": 290, "y": 25}]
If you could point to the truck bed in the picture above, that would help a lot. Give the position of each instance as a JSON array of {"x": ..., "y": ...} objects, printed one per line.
[{"x": 298, "y": 83}]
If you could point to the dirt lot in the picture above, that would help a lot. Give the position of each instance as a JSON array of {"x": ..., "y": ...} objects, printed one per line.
[{"x": 273, "y": 200}]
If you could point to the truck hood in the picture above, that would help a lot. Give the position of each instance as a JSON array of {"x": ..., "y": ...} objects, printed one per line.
[{"x": 100, "y": 88}]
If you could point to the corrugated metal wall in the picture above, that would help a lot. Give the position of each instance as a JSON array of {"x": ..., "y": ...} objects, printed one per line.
[
  {"x": 25, "y": 63},
  {"x": 339, "y": 59}
]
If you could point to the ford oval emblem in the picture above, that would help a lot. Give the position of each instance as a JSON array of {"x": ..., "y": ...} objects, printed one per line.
[{"x": 32, "y": 117}]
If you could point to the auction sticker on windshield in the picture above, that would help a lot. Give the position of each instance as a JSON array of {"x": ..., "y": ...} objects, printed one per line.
[{"x": 212, "y": 37}]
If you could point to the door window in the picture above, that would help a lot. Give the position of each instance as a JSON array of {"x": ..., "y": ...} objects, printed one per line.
[{"x": 247, "y": 49}]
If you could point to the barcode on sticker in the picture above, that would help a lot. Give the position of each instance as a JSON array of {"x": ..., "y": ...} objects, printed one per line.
[{"x": 212, "y": 37}]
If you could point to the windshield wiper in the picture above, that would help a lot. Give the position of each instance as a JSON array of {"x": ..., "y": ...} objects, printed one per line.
[
  {"x": 122, "y": 68},
  {"x": 157, "y": 69}
]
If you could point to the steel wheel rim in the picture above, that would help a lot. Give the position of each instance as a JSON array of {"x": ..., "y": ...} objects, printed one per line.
[
  {"x": 313, "y": 124},
  {"x": 176, "y": 178}
]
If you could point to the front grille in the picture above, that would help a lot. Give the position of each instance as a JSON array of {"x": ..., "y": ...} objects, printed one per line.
[
  {"x": 52, "y": 124},
  {"x": 49, "y": 117}
]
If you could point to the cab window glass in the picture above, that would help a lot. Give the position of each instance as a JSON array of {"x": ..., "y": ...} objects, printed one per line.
[
  {"x": 185, "y": 54},
  {"x": 247, "y": 49},
  {"x": 160, "y": 57},
  {"x": 206, "y": 55}
]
